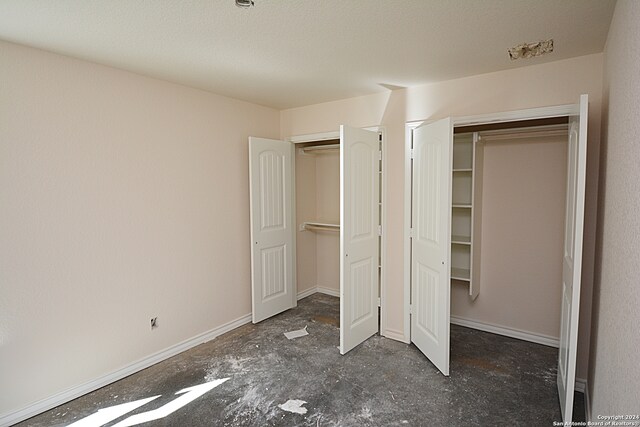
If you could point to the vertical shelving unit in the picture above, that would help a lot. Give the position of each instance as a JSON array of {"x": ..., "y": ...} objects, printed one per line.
[{"x": 465, "y": 211}]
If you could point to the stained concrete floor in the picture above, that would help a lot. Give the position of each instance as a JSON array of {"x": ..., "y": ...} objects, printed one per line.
[{"x": 494, "y": 380}]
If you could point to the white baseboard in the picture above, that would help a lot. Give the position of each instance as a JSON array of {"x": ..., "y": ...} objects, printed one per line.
[
  {"x": 318, "y": 289},
  {"x": 329, "y": 291},
  {"x": 79, "y": 390},
  {"x": 506, "y": 331},
  {"x": 306, "y": 293}
]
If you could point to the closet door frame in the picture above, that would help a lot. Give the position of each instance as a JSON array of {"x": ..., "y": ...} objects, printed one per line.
[
  {"x": 480, "y": 119},
  {"x": 325, "y": 136},
  {"x": 570, "y": 110}
]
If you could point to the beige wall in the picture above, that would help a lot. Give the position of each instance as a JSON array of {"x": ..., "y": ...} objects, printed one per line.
[
  {"x": 614, "y": 374},
  {"x": 121, "y": 198},
  {"x": 553, "y": 83},
  {"x": 306, "y": 262},
  {"x": 523, "y": 203},
  {"x": 328, "y": 210}
]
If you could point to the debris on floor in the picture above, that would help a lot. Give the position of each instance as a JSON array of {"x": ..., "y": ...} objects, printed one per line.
[
  {"x": 333, "y": 321},
  {"x": 296, "y": 334},
  {"x": 294, "y": 405}
]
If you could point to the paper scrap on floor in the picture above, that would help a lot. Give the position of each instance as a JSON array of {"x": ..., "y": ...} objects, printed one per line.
[
  {"x": 294, "y": 405},
  {"x": 296, "y": 334}
]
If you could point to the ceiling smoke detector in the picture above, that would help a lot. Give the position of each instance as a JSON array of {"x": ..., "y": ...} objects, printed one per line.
[
  {"x": 244, "y": 3},
  {"x": 529, "y": 50}
]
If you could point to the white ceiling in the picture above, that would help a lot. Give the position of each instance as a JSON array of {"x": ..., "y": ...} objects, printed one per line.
[{"x": 288, "y": 53}]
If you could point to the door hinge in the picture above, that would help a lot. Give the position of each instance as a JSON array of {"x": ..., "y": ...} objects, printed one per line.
[
  {"x": 410, "y": 308},
  {"x": 380, "y": 155},
  {"x": 378, "y": 301},
  {"x": 379, "y": 230},
  {"x": 411, "y": 233},
  {"x": 411, "y": 153}
]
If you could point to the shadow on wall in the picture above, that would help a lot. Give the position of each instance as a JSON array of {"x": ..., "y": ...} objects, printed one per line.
[{"x": 600, "y": 216}]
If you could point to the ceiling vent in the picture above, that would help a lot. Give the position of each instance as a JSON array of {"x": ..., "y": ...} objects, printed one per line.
[
  {"x": 244, "y": 3},
  {"x": 529, "y": 50}
]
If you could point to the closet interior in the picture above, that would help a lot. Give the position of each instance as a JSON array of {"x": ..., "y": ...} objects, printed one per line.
[
  {"x": 317, "y": 195},
  {"x": 507, "y": 221},
  {"x": 494, "y": 228}
]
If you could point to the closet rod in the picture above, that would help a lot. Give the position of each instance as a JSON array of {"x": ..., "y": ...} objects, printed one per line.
[
  {"x": 321, "y": 148},
  {"x": 319, "y": 226}
]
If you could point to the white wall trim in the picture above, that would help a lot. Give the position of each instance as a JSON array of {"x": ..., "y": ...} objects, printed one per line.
[
  {"x": 82, "y": 389},
  {"x": 517, "y": 115},
  {"x": 306, "y": 293},
  {"x": 319, "y": 290},
  {"x": 312, "y": 137},
  {"x": 509, "y": 116},
  {"x": 581, "y": 385},
  {"x": 329, "y": 291},
  {"x": 506, "y": 331}
]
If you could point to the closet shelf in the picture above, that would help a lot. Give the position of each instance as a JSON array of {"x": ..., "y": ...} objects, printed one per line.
[
  {"x": 461, "y": 274},
  {"x": 461, "y": 205},
  {"x": 463, "y": 170},
  {"x": 310, "y": 226}
]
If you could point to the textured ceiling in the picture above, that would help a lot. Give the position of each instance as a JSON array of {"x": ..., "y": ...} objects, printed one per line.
[{"x": 288, "y": 53}]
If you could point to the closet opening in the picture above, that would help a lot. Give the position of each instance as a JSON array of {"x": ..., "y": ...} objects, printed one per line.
[
  {"x": 509, "y": 182},
  {"x": 317, "y": 216},
  {"x": 494, "y": 219},
  {"x": 317, "y": 207}
]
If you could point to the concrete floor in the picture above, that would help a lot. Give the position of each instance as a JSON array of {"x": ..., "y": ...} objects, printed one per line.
[{"x": 494, "y": 380}]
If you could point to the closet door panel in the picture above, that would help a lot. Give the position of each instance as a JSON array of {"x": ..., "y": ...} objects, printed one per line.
[
  {"x": 431, "y": 241},
  {"x": 359, "y": 219},
  {"x": 272, "y": 227},
  {"x": 572, "y": 257}
]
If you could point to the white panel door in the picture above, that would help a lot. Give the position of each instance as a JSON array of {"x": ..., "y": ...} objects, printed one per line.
[
  {"x": 359, "y": 220},
  {"x": 272, "y": 227},
  {"x": 431, "y": 240},
  {"x": 572, "y": 262}
]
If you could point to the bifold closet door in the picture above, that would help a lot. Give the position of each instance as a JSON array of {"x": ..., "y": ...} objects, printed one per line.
[
  {"x": 272, "y": 229},
  {"x": 431, "y": 240},
  {"x": 572, "y": 257},
  {"x": 359, "y": 220}
]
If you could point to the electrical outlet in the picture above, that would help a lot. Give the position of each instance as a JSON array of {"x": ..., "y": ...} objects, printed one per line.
[{"x": 154, "y": 322}]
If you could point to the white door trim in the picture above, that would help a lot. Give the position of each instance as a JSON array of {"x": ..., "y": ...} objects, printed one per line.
[
  {"x": 498, "y": 117},
  {"x": 312, "y": 137}
]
